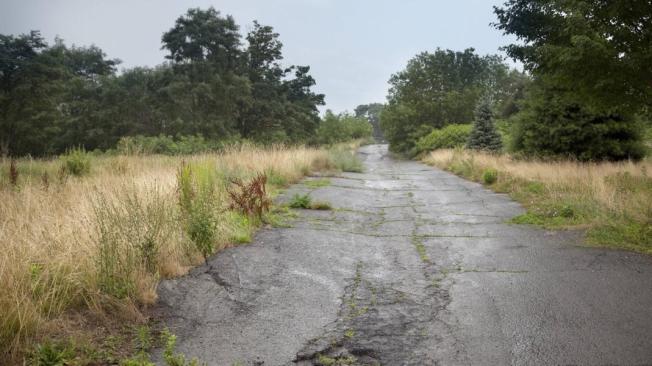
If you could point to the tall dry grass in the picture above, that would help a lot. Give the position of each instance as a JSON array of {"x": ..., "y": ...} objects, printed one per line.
[
  {"x": 615, "y": 195},
  {"x": 101, "y": 243}
]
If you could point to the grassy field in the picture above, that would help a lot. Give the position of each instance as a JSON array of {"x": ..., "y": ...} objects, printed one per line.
[
  {"x": 85, "y": 240},
  {"x": 612, "y": 201}
]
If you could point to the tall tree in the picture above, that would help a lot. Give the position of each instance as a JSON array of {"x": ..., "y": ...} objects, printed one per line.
[
  {"x": 372, "y": 113},
  {"x": 590, "y": 63},
  {"x": 599, "y": 49},
  {"x": 204, "y": 35},
  {"x": 437, "y": 89}
]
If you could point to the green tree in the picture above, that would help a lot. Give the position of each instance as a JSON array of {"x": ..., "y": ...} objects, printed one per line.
[
  {"x": 204, "y": 35},
  {"x": 484, "y": 135},
  {"x": 600, "y": 50},
  {"x": 342, "y": 127},
  {"x": 555, "y": 122},
  {"x": 590, "y": 62},
  {"x": 372, "y": 113},
  {"x": 441, "y": 88}
]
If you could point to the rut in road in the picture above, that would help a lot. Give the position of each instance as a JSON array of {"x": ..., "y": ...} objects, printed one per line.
[{"x": 413, "y": 267}]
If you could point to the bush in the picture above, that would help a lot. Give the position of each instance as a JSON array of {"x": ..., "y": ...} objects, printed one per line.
[
  {"x": 449, "y": 137},
  {"x": 490, "y": 176},
  {"x": 343, "y": 127},
  {"x": 76, "y": 162}
]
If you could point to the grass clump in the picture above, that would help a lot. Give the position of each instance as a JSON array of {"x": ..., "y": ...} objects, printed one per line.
[
  {"x": 612, "y": 201},
  {"x": 196, "y": 187},
  {"x": 305, "y": 202},
  {"x": 76, "y": 162},
  {"x": 345, "y": 160},
  {"x": 490, "y": 176},
  {"x": 317, "y": 183},
  {"x": 300, "y": 201}
]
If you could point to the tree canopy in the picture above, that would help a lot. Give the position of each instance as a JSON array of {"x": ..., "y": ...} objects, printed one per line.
[
  {"x": 215, "y": 84},
  {"x": 441, "y": 88}
]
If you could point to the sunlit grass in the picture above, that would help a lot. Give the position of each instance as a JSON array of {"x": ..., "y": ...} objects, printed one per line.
[{"x": 102, "y": 241}]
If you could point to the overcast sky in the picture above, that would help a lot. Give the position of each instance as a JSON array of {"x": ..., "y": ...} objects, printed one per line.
[{"x": 352, "y": 46}]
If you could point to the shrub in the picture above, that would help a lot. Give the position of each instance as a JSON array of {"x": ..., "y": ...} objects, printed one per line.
[
  {"x": 484, "y": 135},
  {"x": 250, "y": 198},
  {"x": 449, "y": 137},
  {"x": 490, "y": 176},
  {"x": 76, "y": 162},
  {"x": 300, "y": 201}
]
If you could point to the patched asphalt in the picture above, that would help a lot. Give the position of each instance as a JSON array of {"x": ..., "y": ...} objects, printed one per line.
[{"x": 414, "y": 266}]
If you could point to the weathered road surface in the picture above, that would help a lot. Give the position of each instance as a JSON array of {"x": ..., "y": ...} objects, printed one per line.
[{"x": 415, "y": 267}]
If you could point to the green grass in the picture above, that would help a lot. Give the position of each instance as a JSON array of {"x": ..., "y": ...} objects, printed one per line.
[
  {"x": 304, "y": 201},
  {"x": 346, "y": 160},
  {"x": 300, "y": 201},
  {"x": 317, "y": 183}
]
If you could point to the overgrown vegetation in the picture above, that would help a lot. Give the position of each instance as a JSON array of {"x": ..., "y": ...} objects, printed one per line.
[
  {"x": 345, "y": 159},
  {"x": 613, "y": 201},
  {"x": 96, "y": 247},
  {"x": 449, "y": 137}
]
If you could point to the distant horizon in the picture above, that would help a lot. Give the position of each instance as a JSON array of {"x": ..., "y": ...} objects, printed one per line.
[{"x": 349, "y": 70}]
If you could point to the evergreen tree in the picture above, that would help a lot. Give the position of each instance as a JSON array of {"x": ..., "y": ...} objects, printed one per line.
[{"x": 484, "y": 135}]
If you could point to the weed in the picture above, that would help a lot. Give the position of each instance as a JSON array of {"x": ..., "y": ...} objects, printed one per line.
[
  {"x": 490, "y": 176},
  {"x": 250, "y": 198},
  {"x": 171, "y": 358},
  {"x": 53, "y": 354},
  {"x": 13, "y": 173},
  {"x": 421, "y": 249},
  {"x": 45, "y": 180},
  {"x": 196, "y": 199},
  {"x": 300, "y": 201},
  {"x": 76, "y": 162},
  {"x": 346, "y": 160},
  {"x": 350, "y": 333},
  {"x": 320, "y": 205},
  {"x": 275, "y": 178},
  {"x": 323, "y": 360},
  {"x": 129, "y": 232},
  {"x": 317, "y": 183}
]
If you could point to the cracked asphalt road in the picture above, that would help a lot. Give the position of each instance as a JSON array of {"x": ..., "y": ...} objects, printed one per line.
[{"x": 414, "y": 267}]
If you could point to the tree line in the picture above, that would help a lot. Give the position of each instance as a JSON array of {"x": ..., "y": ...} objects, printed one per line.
[
  {"x": 215, "y": 83},
  {"x": 586, "y": 92}
]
